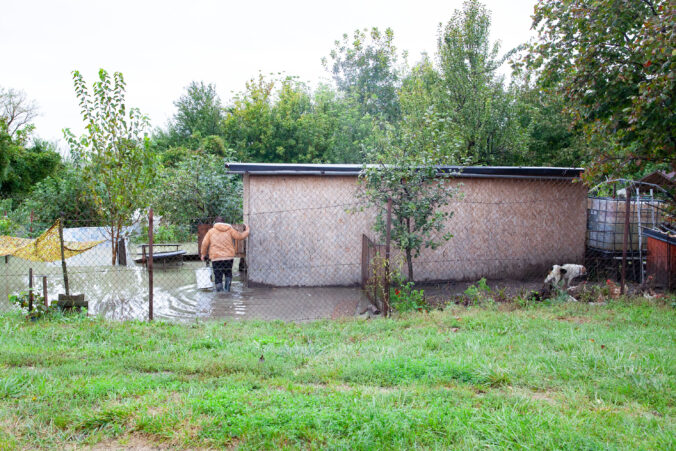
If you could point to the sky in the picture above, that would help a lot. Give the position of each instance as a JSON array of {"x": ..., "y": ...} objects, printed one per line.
[{"x": 161, "y": 46}]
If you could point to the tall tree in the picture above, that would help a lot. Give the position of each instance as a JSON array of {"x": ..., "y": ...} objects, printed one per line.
[
  {"x": 365, "y": 66},
  {"x": 471, "y": 94},
  {"x": 17, "y": 111},
  {"x": 199, "y": 114},
  {"x": 613, "y": 61},
  {"x": 114, "y": 153}
]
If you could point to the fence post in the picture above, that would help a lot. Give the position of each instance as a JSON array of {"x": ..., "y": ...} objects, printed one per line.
[
  {"x": 30, "y": 290},
  {"x": 150, "y": 264},
  {"x": 627, "y": 210},
  {"x": 63, "y": 259},
  {"x": 30, "y": 228},
  {"x": 44, "y": 290},
  {"x": 387, "y": 258}
]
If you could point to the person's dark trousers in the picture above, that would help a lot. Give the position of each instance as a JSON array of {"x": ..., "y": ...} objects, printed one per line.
[{"x": 222, "y": 268}]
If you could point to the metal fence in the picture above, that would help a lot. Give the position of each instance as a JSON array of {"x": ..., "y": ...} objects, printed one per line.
[{"x": 313, "y": 254}]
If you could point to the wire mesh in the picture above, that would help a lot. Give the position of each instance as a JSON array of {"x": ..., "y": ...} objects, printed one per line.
[{"x": 313, "y": 253}]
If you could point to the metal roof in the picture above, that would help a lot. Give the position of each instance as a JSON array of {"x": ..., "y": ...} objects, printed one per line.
[{"x": 356, "y": 169}]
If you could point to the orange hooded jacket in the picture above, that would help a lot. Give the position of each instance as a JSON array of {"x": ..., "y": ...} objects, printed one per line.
[{"x": 218, "y": 241}]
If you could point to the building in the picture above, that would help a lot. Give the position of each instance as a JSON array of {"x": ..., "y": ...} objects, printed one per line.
[{"x": 512, "y": 222}]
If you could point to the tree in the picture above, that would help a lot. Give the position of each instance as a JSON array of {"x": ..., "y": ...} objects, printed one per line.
[
  {"x": 613, "y": 63},
  {"x": 471, "y": 94},
  {"x": 365, "y": 67},
  {"x": 418, "y": 192},
  {"x": 62, "y": 195},
  {"x": 114, "y": 153},
  {"x": 22, "y": 166},
  {"x": 17, "y": 111},
  {"x": 199, "y": 115},
  {"x": 196, "y": 189},
  {"x": 27, "y": 166}
]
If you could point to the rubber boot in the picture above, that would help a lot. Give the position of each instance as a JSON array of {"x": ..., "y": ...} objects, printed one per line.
[
  {"x": 228, "y": 280},
  {"x": 219, "y": 287}
]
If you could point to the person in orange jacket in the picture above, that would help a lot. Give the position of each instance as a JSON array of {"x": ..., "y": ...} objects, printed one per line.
[{"x": 219, "y": 245}]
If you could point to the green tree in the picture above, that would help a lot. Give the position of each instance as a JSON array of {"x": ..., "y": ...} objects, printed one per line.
[
  {"x": 409, "y": 177},
  {"x": 117, "y": 164},
  {"x": 23, "y": 165},
  {"x": 62, "y": 195},
  {"x": 198, "y": 188},
  {"x": 365, "y": 66},
  {"x": 613, "y": 61},
  {"x": 199, "y": 114},
  {"x": 471, "y": 95}
]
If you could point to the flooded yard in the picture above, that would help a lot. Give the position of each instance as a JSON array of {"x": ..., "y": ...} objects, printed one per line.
[{"x": 121, "y": 292}]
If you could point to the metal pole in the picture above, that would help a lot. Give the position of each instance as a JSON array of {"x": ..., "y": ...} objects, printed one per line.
[
  {"x": 627, "y": 210},
  {"x": 640, "y": 235},
  {"x": 150, "y": 264},
  {"x": 30, "y": 290},
  {"x": 387, "y": 257},
  {"x": 31, "y": 225},
  {"x": 63, "y": 259}
]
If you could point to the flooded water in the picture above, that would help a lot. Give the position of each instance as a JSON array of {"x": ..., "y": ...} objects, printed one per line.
[{"x": 121, "y": 292}]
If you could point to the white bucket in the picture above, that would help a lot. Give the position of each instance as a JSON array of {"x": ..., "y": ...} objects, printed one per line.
[{"x": 203, "y": 276}]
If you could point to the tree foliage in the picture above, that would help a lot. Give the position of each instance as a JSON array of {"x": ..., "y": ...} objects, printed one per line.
[
  {"x": 613, "y": 61},
  {"x": 114, "y": 153},
  {"x": 365, "y": 68},
  {"x": 198, "y": 188},
  {"x": 470, "y": 94},
  {"x": 199, "y": 115}
]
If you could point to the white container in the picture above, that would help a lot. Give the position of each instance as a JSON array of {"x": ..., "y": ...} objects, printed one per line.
[{"x": 203, "y": 276}]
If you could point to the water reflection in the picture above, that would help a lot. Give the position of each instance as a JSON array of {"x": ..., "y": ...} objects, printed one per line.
[{"x": 121, "y": 293}]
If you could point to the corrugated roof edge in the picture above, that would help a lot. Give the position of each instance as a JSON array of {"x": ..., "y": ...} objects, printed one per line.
[{"x": 355, "y": 169}]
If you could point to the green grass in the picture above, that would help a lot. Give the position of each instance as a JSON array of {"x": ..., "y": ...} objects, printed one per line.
[{"x": 564, "y": 376}]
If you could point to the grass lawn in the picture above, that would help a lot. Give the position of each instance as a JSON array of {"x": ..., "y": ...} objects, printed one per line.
[{"x": 566, "y": 375}]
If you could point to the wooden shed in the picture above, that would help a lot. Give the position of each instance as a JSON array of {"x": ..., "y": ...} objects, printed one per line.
[{"x": 307, "y": 225}]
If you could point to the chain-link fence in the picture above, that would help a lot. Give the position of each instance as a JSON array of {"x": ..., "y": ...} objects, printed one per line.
[{"x": 312, "y": 252}]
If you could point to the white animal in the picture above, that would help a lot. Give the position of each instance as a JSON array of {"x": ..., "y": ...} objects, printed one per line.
[{"x": 566, "y": 273}]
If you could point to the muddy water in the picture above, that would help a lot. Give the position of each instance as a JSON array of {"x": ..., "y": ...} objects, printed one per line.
[{"x": 122, "y": 293}]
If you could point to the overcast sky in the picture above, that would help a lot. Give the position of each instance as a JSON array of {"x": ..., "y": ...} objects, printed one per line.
[{"x": 161, "y": 46}]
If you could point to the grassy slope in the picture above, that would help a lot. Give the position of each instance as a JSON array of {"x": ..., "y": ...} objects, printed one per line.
[{"x": 557, "y": 376}]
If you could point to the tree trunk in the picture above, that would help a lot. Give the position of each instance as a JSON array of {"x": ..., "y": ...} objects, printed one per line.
[
  {"x": 409, "y": 257},
  {"x": 409, "y": 262},
  {"x": 113, "y": 246}
]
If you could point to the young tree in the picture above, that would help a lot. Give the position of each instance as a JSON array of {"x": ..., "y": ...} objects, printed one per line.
[
  {"x": 613, "y": 62},
  {"x": 114, "y": 153},
  {"x": 419, "y": 193}
]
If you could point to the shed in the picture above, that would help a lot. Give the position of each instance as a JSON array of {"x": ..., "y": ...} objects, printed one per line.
[{"x": 512, "y": 222}]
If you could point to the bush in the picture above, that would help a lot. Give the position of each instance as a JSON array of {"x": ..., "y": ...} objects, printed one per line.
[
  {"x": 39, "y": 309},
  {"x": 406, "y": 299}
]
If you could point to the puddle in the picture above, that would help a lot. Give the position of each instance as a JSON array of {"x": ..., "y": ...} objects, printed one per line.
[{"x": 120, "y": 293}]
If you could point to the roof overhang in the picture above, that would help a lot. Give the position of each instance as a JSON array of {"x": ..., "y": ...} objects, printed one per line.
[{"x": 356, "y": 169}]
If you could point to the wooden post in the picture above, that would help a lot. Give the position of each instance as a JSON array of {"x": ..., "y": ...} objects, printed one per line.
[
  {"x": 387, "y": 257},
  {"x": 63, "y": 259},
  {"x": 30, "y": 290},
  {"x": 627, "y": 210},
  {"x": 44, "y": 290},
  {"x": 150, "y": 264}
]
